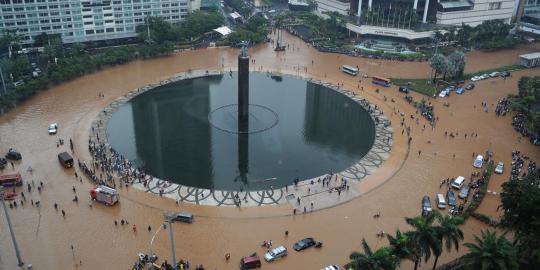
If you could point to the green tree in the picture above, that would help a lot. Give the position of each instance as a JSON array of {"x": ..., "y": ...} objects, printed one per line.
[
  {"x": 439, "y": 65},
  {"x": 402, "y": 247},
  {"x": 380, "y": 259},
  {"x": 457, "y": 60},
  {"x": 448, "y": 233},
  {"x": 424, "y": 236},
  {"x": 491, "y": 253}
]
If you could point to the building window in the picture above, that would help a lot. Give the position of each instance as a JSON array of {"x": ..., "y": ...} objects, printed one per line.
[
  {"x": 7, "y": 9},
  {"x": 43, "y": 21},
  {"x": 119, "y": 29},
  {"x": 110, "y": 30},
  {"x": 17, "y": 1},
  {"x": 5, "y": 2},
  {"x": 29, "y": 1},
  {"x": 89, "y": 32},
  {"x": 57, "y": 27},
  {"x": 495, "y": 5},
  {"x": 99, "y": 31},
  {"x": 45, "y": 28},
  {"x": 42, "y": 7},
  {"x": 88, "y": 23},
  {"x": 43, "y": 14}
]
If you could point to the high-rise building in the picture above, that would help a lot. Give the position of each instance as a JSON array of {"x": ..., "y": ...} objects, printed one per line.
[
  {"x": 474, "y": 12},
  {"x": 85, "y": 20}
]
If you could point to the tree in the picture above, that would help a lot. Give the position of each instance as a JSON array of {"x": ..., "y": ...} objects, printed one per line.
[
  {"x": 519, "y": 200},
  {"x": 457, "y": 60},
  {"x": 380, "y": 259},
  {"x": 439, "y": 65},
  {"x": 490, "y": 252},
  {"x": 401, "y": 247},
  {"x": 449, "y": 233},
  {"x": 424, "y": 236}
]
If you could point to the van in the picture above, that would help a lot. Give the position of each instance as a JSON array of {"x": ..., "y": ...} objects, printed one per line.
[
  {"x": 441, "y": 203},
  {"x": 458, "y": 182},
  {"x": 65, "y": 159},
  {"x": 250, "y": 262},
  {"x": 183, "y": 217}
]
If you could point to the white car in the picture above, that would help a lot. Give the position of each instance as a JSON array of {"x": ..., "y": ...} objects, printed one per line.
[
  {"x": 500, "y": 168},
  {"x": 442, "y": 94},
  {"x": 475, "y": 78},
  {"x": 53, "y": 128},
  {"x": 275, "y": 253},
  {"x": 478, "y": 162},
  {"x": 331, "y": 267},
  {"x": 494, "y": 74}
]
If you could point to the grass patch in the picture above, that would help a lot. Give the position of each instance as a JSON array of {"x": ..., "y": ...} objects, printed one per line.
[{"x": 422, "y": 86}]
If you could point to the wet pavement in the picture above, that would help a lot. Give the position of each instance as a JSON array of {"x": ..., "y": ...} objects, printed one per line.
[{"x": 395, "y": 189}]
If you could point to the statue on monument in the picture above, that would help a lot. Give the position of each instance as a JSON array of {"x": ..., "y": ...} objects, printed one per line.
[{"x": 243, "y": 49}]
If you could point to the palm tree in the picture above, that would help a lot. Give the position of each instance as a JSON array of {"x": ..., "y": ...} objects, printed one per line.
[
  {"x": 491, "y": 252},
  {"x": 402, "y": 247},
  {"x": 382, "y": 258},
  {"x": 448, "y": 233},
  {"x": 424, "y": 236}
]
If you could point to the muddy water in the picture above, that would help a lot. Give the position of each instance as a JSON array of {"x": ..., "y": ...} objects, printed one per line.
[{"x": 45, "y": 237}]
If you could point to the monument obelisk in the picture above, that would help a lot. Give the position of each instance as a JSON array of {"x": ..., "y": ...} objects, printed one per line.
[{"x": 243, "y": 90}]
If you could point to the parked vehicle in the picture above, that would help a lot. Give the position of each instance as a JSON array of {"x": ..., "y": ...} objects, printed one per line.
[
  {"x": 476, "y": 78},
  {"x": 458, "y": 182},
  {"x": 469, "y": 86},
  {"x": 464, "y": 192},
  {"x": 13, "y": 155},
  {"x": 479, "y": 161},
  {"x": 426, "y": 206},
  {"x": 304, "y": 243},
  {"x": 505, "y": 74},
  {"x": 403, "y": 89},
  {"x": 331, "y": 267},
  {"x": 183, "y": 217},
  {"x": 275, "y": 254},
  {"x": 104, "y": 194},
  {"x": 10, "y": 180},
  {"x": 494, "y": 74},
  {"x": 250, "y": 262},
  {"x": 460, "y": 91},
  {"x": 441, "y": 203},
  {"x": 65, "y": 159},
  {"x": 53, "y": 128},
  {"x": 451, "y": 198},
  {"x": 500, "y": 167}
]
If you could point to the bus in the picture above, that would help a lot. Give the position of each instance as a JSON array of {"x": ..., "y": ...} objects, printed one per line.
[
  {"x": 9, "y": 180},
  {"x": 381, "y": 81},
  {"x": 349, "y": 70}
]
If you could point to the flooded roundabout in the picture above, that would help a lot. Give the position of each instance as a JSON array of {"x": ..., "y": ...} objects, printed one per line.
[{"x": 392, "y": 181}]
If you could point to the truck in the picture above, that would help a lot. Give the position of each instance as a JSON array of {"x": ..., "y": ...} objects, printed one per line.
[
  {"x": 10, "y": 180},
  {"x": 105, "y": 194},
  {"x": 65, "y": 159}
]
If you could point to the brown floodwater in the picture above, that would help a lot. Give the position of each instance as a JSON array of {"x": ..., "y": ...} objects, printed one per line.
[{"x": 395, "y": 189}]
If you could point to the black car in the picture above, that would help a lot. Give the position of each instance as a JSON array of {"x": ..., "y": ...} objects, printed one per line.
[
  {"x": 13, "y": 155},
  {"x": 3, "y": 163},
  {"x": 426, "y": 206},
  {"x": 403, "y": 89},
  {"x": 470, "y": 86},
  {"x": 304, "y": 243},
  {"x": 451, "y": 198},
  {"x": 505, "y": 74}
]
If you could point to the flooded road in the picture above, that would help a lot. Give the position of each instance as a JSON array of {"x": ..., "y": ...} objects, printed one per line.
[{"x": 395, "y": 189}]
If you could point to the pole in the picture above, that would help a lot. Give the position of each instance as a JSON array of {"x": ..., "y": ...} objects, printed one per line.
[
  {"x": 20, "y": 262},
  {"x": 172, "y": 243},
  {"x": 2, "y": 77}
]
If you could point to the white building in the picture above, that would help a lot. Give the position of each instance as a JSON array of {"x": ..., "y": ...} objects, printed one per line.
[
  {"x": 474, "y": 12},
  {"x": 340, "y": 6},
  {"x": 85, "y": 20}
]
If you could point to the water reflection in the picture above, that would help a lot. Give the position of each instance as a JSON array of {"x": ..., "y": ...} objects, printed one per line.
[{"x": 167, "y": 131}]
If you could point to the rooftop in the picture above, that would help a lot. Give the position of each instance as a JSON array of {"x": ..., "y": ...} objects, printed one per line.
[{"x": 531, "y": 56}]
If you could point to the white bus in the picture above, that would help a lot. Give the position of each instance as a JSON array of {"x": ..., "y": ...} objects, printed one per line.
[{"x": 349, "y": 70}]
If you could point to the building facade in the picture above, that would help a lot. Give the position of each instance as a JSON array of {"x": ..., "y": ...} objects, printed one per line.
[
  {"x": 474, "y": 12},
  {"x": 85, "y": 20}
]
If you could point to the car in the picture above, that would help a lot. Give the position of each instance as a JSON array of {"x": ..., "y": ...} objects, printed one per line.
[
  {"x": 469, "y": 86},
  {"x": 34, "y": 65},
  {"x": 3, "y": 163},
  {"x": 403, "y": 89},
  {"x": 484, "y": 76},
  {"x": 500, "y": 167},
  {"x": 494, "y": 74},
  {"x": 505, "y": 74},
  {"x": 475, "y": 78},
  {"x": 464, "y": 192},
  {"x": 426, "y": 206},
  {"x": 442, "y": 94},
  {"x": 331, "y": 267},
  {"x": 18, "y": 83},
  {"x": 460, "y": 91},
  {"x": 479, "y": 161},
  {"x": 451, "y": 198},
  {"x": 276, "y": 253},
  {"x": 304, "y": 243},
  {"x": 13, "y": 155},
  {"x": 183, "y": 217},
  {"x": 250, "y": 262},
  {"x": 53, "y": 128},
  {"x": 458, "y": 182}
]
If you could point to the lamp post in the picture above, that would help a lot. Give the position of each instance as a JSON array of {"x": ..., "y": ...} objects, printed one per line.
[
  {"x": 20, "y": 262},
  {"x": 169, "y": 219}
]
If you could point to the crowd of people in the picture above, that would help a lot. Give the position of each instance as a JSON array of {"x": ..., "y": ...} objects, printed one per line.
[
  {"x": 146, "y": 262},
  {"x": 502, "y": 107},
  {"x": 519, "y": 124}
]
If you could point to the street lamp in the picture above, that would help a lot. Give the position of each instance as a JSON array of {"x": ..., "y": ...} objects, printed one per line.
[
  {"x": 169, "y": 218},
  {"x": 20, "y": 262}
]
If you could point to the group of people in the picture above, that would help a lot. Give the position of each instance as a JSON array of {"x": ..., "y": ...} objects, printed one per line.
[
  {"x": 519, "y": 124},
  {"x": 502, "y": 107},
  {"x": 518, "y": 162}
]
